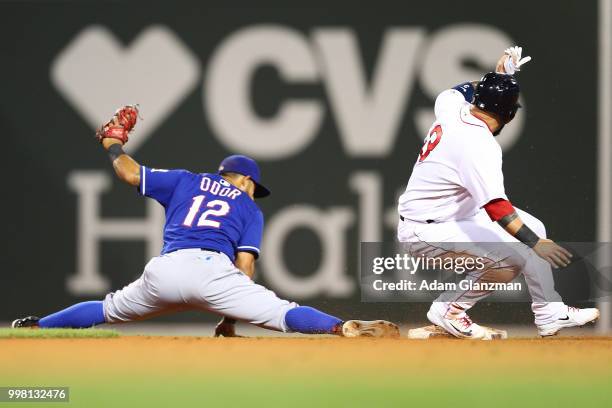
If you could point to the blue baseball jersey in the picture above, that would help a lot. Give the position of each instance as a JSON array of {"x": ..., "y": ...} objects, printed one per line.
[{"x": 203, "y": 211}]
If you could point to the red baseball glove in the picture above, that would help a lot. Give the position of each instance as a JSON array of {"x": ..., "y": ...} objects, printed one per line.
[{"x": 121, "y": 124}]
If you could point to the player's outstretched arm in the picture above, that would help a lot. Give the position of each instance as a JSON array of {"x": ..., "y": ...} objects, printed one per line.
[
  {"x": 113, "y": 135},
  {"x": 126, "y": 168},
  {"x": 506, "y": 216}
]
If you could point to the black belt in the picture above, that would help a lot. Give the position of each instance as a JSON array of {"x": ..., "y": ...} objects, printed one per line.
[
  {"x": 427, "y": 221},
  {"x": 210, "y": 250}
]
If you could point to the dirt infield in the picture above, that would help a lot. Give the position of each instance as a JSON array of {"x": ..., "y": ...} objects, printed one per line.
[{"x": 146, "y": 371}]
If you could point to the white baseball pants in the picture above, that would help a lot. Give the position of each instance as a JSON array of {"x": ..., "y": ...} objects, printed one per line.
[
  {"x": 480, "y": 228},
  {"x": 194, "y": 279}
]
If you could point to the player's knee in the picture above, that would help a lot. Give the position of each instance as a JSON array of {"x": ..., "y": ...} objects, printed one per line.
[
  {"x": 504, "y": 274},
  {"x": 504, "y": 267}
]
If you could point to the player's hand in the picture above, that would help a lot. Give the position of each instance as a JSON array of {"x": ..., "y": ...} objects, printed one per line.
[
  {"x": 555, "y": 255},
  {"x": 512, "y": 60},
  {"x": 226, "y": 328},
  {"x": 119, "y": 126}
]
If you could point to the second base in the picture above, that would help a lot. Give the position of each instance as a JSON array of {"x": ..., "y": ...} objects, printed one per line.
[{"x": 435, "y": 332}]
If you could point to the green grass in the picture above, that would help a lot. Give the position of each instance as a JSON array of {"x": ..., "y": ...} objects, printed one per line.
[
  {"x": 56, "y": 333},
  {"x": 355, "y": 390}
]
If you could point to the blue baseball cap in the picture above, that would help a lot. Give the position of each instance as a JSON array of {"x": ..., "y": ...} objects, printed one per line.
[{"x": 246, "y": 166}]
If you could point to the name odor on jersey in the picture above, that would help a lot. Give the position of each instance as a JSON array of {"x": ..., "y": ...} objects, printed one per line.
[{"x": 221, "y": 188}]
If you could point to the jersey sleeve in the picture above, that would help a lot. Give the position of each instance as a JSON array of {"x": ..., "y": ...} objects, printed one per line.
[
  {"x": 481, "y": 172},
  {"x": 159, "y": 184},
  {"x": 467, "y": 90},
  {"x": 447, "y": 103},
  {"x": 250, "y": 240}
]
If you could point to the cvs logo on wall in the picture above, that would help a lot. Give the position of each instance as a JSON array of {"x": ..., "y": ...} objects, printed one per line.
[{"x": 96, "y": 74}]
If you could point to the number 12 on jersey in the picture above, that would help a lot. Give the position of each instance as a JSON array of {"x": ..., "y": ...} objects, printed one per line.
[
  {"x": 431, "y": 141},
  {"x": 216, "y": 208}
]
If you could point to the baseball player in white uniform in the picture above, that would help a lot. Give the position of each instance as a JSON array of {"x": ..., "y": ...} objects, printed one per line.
[{"x": 456, "y": 194}]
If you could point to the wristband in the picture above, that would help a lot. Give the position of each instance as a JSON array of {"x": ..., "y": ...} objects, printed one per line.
[
  {"x": 527, "y": 236},
  {"x": 507, "y": 219},
  {"x": 114, "y": 151}
]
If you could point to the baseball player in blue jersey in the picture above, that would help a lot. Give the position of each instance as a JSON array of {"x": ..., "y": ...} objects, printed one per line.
[{"x": 212, "y": 238}]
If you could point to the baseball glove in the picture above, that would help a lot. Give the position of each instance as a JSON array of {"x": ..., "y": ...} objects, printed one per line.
[{"x": 121, "y": 124}]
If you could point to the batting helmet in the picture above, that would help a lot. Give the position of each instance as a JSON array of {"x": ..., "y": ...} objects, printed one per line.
[{"x": 498, "y": 94}]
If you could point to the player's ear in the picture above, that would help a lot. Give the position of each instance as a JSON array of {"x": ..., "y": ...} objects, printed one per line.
[{"x": 249, "y": 186}]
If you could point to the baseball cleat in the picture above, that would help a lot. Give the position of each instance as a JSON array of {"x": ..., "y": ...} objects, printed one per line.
[
  {"x": 30, "y": 321},
  {"x": 460, "y": 326},
  {"x": 374, "y": 328},
  {"x": 574, "y": 317}
]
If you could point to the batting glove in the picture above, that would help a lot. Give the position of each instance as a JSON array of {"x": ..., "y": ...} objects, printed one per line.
[{"x": 514, "y": 61}]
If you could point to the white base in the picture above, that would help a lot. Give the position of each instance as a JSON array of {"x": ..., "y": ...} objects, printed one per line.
[{"x": 431, "y": 332}]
